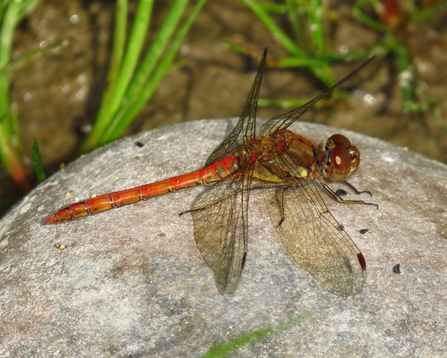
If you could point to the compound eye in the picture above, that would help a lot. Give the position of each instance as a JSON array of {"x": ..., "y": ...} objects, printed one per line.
[
  {"x": 341, "y": 140},
  {"x": 341, "y": 159}
]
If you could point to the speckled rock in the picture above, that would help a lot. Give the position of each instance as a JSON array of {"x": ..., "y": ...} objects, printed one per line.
[{"x": 131, "y": 281}]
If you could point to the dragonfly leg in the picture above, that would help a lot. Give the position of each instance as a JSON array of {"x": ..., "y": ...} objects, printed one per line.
[
  {"x": 355, "y": 189},
  {"x": 252, "y": 187},
  {"x": 280, "y": 188},
  {"x": 344, "y": 201},
  {"x": 280, "y": 198},
  {"x": 210, "y": 204},
  {"x": 281, "y": 204},
  {"x": 280, "y": 193}
]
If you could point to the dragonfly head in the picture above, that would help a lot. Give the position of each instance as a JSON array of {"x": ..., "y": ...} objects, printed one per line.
[{"x": 342, "y": 158}]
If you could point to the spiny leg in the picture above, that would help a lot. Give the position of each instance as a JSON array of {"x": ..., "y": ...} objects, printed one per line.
[
  {"x": 341, "y": 200},
  {"x": 279, "y": 194},
  {"x": 213, "y": 203},
  {"x": 355, "y": 189}
]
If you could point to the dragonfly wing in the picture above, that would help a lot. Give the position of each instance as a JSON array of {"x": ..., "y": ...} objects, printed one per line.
[
  {"x": 314, "y": 238},
  {"x": 245, "y": 128},
  {"x": 220, "y": 229},
  {"x": 285, "y": 120}
]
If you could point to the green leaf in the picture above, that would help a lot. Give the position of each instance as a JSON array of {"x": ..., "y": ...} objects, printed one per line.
[
  {"x": 222, "y": 350},
  {"x": 37, "y": 162}
]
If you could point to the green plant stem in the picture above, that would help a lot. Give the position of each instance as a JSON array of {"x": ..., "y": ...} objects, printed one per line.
[
  {"x": 321, "y": 71},
  {"x": 10, "y": 148},
  {"x": 133, "y": 103},
  {"x": 12, "y": 161},
  {"x": 114, "y": 94},
  {"x": 120, "y": 106},
  {"x": 37, "y": 162},
  {"x": 147, "y": 68}
]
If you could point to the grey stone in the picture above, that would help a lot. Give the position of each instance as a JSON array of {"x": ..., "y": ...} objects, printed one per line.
[{"x": 131, "y": 281}]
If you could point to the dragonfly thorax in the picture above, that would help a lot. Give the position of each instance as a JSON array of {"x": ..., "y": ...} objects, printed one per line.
[{"x": 283, "y": 155}]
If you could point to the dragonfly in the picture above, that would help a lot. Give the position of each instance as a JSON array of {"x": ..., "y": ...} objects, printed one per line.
[{"x": 290, "y": 169}]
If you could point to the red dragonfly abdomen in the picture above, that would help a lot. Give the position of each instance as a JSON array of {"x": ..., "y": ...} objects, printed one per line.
[{"x": 214, "y": 172}]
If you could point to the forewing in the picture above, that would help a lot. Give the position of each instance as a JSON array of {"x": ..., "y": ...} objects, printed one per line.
[
  {"x": 220, "y": 228},
  {"x": 285, "y": 120},
  {"x": 245, "y": 128},
  {"x": 314, "y": 238}
]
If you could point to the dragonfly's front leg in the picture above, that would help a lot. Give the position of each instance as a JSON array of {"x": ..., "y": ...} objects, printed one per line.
[
  {"x": 344, "y": 201},
  {"x": 355, "y": 189}
]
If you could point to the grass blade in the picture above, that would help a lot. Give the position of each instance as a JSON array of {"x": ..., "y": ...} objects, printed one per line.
[
  {"x": 37, "y": 162},
  {"x": 225, "y": 349}
]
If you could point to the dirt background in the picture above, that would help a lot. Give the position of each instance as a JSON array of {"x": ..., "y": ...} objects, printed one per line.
[{"x": 58, "y": 93}]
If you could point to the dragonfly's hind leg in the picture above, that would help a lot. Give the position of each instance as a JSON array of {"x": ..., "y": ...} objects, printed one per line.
[{"x": 212, "y": 203}]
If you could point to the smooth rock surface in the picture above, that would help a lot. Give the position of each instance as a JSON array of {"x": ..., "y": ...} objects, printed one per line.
[{"x": 131, "y": 281}]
